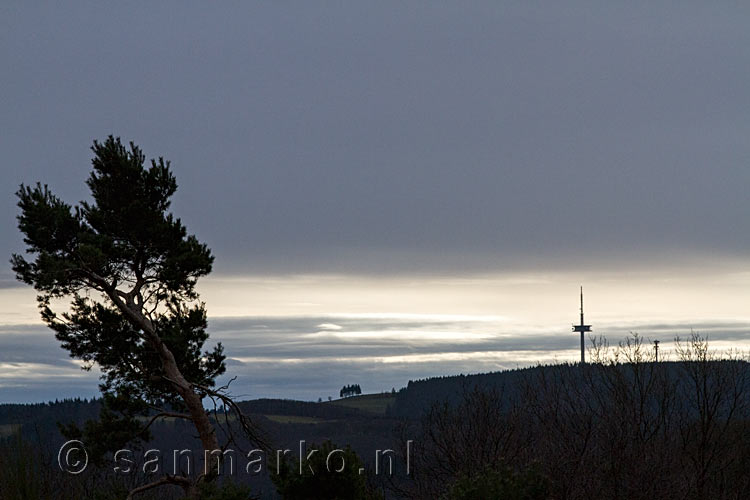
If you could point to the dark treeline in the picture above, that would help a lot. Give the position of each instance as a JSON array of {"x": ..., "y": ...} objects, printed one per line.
[
  {"x": 38, "y": 421},
  {"x": 28, "y": 454},
  {"x": 350, "y": 390},
  {"x": 35, "y": 419},
  {"x": 621, "y": 427}
]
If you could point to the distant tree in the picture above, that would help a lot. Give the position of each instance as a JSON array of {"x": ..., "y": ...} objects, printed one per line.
[
  {"x": 350, "y": 390},
  {"x": 129, "y": 268}
]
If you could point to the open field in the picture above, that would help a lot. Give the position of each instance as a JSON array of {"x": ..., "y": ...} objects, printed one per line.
[
  {"x": 294, "y": 419},
  {"x": 373, "y": 403}
]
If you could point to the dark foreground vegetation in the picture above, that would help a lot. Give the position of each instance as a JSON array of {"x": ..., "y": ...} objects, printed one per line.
[{"x": 620, "y": 427}]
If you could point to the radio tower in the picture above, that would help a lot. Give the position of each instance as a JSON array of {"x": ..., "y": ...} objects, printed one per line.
[{"x": 583, "y": 329}]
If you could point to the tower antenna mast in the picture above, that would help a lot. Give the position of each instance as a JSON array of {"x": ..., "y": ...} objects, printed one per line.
[{"x": 583, "y": 328}]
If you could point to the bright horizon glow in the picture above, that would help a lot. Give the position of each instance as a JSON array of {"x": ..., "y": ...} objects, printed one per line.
[
  {"x": 529, "y": 301},
  {"x": 523, "y": 302},
  {"x": 403, "y": 335},
  {"x": 294, "y": 336}
]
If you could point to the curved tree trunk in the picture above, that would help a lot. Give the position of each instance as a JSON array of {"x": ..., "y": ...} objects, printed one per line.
[{"x": 184, "y": 388}]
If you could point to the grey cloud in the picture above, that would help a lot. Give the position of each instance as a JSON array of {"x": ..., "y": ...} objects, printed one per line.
[
  {"x": 392, "y": 137},
  {"x": 31, "y": 344},
  {"x": 276, "y": 357},
  {"x": 325, "y": 366},
  {"x": 24, "y": 391},
  {"x": 718, "y": 330},
  {"x": 7, "y": 283}
]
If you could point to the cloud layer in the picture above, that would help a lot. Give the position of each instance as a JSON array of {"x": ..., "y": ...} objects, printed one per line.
[
  {"x": 292, "y": 357},
  {"x": 392, "y": 137}
]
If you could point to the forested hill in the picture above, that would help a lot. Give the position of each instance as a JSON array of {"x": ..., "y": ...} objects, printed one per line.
[
  {"x": 639, "y": 430},
  {"x": 43, "y": 415},
  {"x": 419, "y": 396},
  {"x": 39, "y": 420},
  {"x": 575, "y": 379}
]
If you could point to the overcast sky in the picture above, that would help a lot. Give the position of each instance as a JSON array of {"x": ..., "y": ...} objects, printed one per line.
[{"x": 384, "y": 145}]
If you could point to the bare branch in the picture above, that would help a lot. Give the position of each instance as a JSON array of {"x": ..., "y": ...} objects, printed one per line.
[
  {"x": 168, "y": 479},
  {"x": 165, "y": 414}
]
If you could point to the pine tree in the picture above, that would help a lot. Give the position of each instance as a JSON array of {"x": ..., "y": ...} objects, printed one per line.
[{"x": 129, "y": 269}]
